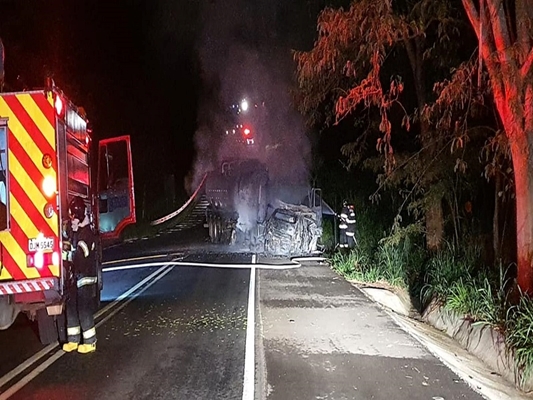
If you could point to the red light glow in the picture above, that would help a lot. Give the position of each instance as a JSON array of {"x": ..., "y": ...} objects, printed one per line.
[
  {"x": 59, "y": 105},
  {"x": 246, "y": 131}
]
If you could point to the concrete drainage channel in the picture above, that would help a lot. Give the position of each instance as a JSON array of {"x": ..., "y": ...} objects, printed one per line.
[{"x": 476, "y": 353}]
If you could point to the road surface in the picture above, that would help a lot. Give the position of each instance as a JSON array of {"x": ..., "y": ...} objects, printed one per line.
[{"x": 170, "y": 331}]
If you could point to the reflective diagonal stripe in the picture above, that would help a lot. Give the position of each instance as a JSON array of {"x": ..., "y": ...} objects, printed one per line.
[
  {"x": 46, "y": 104},
  {"x": 49, "y": 227},
  {"x": 89, "y": 333},
  {"x": 88, "y": 280},
  {"x": 25, "y": 138},
  {"x": 40, "y": 121},
  {"x": 84, "y": 247}
]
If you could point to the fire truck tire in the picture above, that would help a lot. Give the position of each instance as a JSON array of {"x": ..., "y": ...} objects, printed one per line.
[
  {"x": 47, "y": 327},
  {"x": 210, "y": 225},
  {"x": 61, "y": 324},
  {"x": 217, "y": 230}
]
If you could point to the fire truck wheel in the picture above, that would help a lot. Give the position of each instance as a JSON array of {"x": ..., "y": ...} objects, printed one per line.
[
  {"x": 210, "y": 223},
  {"x": 61, "y": 324},
  {"x": 47, "y": 327}
]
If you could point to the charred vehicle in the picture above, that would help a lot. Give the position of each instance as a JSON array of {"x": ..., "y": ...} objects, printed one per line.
[
  {"x": 240, "y": 212},
  {"x": 237, "y": 201}
]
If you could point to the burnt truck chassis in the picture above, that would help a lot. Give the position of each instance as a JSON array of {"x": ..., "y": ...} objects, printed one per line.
[{"x": 238, "y": 213}]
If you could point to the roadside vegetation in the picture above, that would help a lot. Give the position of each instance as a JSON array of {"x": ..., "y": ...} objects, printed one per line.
[{"x": 434, "y": 163}]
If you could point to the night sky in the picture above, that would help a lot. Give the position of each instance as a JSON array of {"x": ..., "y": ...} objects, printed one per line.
[{"x": 155, "y": 69}]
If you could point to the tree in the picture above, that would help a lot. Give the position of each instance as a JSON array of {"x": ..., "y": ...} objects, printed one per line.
[
  {"x": 503, "y": 28},
  {"x": 348, "y": 67}
]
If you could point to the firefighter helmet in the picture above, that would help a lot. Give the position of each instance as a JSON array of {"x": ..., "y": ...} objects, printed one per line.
[{"x": 77, "y": 208}]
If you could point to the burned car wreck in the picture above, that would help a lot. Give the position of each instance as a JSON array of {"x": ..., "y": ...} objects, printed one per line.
[{"x": 292, "y": 230}]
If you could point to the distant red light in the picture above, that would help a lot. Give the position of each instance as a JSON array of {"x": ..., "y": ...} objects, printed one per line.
[{"x": 247, "y": 131}]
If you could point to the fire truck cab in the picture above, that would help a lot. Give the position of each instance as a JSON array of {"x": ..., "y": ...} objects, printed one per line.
[{"x": 46, "y": 158}]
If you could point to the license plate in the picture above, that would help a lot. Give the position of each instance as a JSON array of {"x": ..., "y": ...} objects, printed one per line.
[{"x": 41, "y": 244}]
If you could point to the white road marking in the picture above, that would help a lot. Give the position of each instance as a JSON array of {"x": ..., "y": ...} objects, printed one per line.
[
  {"x": 133, "y": 259},
  {"x": 249, "y": 355},
  {"x": 30, "y": 361},
  {"x": 158, "y": 274}
]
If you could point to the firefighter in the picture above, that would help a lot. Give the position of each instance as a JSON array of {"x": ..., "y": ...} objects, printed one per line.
[
  {"x": 350, "y": 227},
  {"x": 81, "y": 332},
  {"x": 343, "y": 225}
]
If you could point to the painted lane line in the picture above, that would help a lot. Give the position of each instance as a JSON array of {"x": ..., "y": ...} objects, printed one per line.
[
  {"x": 130, "y": 299},
  {"x": 249, "y": 354},
  {"x": 37, "y": 356},
  {"x": 60, "y": 353},
  {"x": 130, "y": 291},
  {"x": 27, "y": 378},
  {"x": 123, "y": 260},
  {"x": 26, "y": 364}
]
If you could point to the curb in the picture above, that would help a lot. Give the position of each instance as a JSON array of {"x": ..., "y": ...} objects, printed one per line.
[{"x": 468, "y": 366}]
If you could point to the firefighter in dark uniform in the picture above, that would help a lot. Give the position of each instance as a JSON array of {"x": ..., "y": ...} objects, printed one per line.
[
  {"x": 343, "y": 225},
  {"x": 350, "y": 227},
  {"x": 347, "y": 226},
  {"x": 81, "y": 332}
]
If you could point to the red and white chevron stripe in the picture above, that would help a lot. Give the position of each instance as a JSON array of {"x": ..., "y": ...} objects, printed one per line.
[{"x": 34, "y": 285}]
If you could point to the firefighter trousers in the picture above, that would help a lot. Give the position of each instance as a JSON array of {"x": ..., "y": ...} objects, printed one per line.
[
  {"x": 343, "y": 239},
  {"x": 80, "y": 318}
]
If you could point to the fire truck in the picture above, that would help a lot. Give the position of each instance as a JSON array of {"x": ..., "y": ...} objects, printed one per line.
[{"x": 46, "y": 158}]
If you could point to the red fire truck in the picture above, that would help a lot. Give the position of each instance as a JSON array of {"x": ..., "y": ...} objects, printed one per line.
[{"x": 46, "y": 158}]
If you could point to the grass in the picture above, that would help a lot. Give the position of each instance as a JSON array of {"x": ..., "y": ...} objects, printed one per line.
[
  {"x": 455, "y": 279},
  {"x": 519, "y": 334}
]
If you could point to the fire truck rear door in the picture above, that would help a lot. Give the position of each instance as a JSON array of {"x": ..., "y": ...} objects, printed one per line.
[{"x": 116, "y": 200}]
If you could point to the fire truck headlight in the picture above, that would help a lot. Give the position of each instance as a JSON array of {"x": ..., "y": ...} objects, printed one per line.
[{"x": 49, "y": 186}]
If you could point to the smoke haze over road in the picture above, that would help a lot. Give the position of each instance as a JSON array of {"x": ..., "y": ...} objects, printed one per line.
[{"x": 241, "y": 57}]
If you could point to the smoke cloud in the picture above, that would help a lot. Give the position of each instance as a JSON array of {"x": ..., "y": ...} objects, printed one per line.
[{"x": 241, "y": 57}]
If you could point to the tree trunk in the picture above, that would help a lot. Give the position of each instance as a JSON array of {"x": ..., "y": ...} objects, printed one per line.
[
  {"x": 433, "y": 214},
  {"x": 522, "y": 161},
  {"x": 496, "y": 219}
]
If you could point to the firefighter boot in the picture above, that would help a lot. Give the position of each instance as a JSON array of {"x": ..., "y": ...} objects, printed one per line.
[
  {"x": 70, "y": 346},
  {"x": 86, "y": 348}
]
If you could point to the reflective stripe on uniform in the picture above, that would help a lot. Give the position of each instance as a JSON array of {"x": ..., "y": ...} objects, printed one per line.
[
  {"x": 89, "y": 333},
  {"x": 344, "y": 215},
  {"x": 350, "y": 221},
  {"x": 350, "y": 234},
  {"x": 87, "y": 280},
  {"x": 343, "y": 226},
  {"x": 76, "y": 330},
  {"x": 84, "y": 247}
]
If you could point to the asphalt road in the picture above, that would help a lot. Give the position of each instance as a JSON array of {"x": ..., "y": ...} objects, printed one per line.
[
  {"x": 321, "y": 338},
  {"x": 181, "y": 338},
  {"x": 181, "y": 332}
]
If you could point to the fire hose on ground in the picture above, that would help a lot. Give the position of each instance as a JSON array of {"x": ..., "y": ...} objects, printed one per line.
[{"x": 183, "y": 207}]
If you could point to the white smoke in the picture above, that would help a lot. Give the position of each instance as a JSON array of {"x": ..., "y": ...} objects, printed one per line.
[{"x": 239, "y": 58}]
